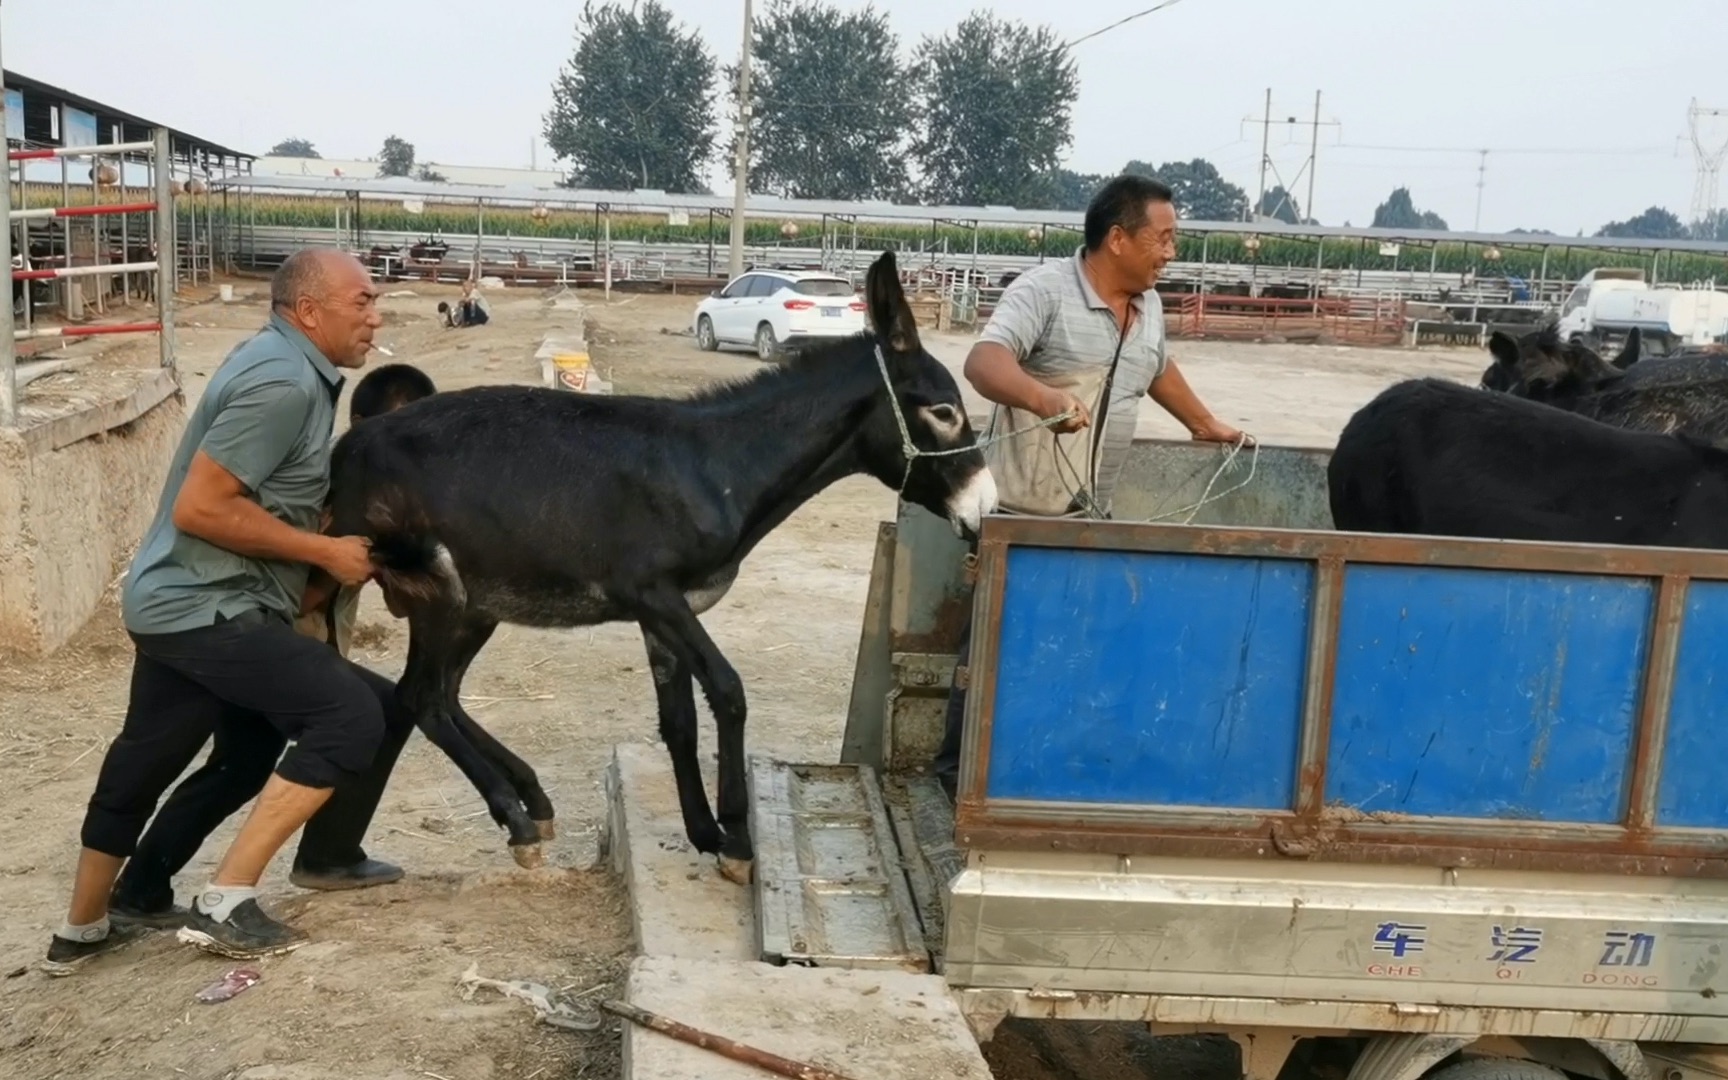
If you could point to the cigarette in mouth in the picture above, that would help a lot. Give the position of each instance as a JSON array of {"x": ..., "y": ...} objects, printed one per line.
[{"x": 383, "y": 350}]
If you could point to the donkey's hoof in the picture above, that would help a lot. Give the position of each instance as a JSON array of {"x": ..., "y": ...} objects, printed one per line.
[
  {"x": 528, "y": 856},
  {"x": 547, "y": 829},
  {"x": 738, "y": 871}
]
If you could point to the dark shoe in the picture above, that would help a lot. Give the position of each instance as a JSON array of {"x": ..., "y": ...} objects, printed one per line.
[
  {"x": 362, "y": 874},
  {"x": 171, "y": 917},
  {"x": 64, "y": 957},
  {"x": 247, "y": 934}
]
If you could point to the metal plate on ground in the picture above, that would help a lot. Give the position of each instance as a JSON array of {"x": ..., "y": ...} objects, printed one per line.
[{"x": 830, "y": 890}]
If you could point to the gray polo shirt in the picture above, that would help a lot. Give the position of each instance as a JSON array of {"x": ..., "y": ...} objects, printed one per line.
[
  {"x": 1053, "y": 320},
  {"x": 266, "y": 417}
]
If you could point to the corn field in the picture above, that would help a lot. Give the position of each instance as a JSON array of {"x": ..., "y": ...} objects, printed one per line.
[{"x": 315, "y": 212}]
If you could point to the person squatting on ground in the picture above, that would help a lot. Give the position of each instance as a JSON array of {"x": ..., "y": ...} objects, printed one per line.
[
  {"x": 209, "y": 603},
  {"x": 469, "y": 311}
]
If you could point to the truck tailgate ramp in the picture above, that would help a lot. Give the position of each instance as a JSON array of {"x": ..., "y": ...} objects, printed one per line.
[{"x": 830, "y": 890}]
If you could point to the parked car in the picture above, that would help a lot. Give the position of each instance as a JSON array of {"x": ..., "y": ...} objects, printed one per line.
[{"x": 770, "y": 309}]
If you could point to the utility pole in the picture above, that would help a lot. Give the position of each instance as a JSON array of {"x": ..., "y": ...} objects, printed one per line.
[
  {"x": 1266, "y": 163},
  {"x": 741, "y": 164},
  {"x": 1313, "y": 159},
  {"x": 1481, "y": 180},
  {"x": 1265, "y": 157},
  {"x": 1707, "y": 155}
]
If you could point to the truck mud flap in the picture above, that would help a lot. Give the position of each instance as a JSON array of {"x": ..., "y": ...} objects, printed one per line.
[{"x": 830, "y": 887}]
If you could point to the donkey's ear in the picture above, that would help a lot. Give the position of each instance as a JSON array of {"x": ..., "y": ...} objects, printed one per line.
[
  {"x": 890, "y": 314},
  {"x": 1503, "y": 349},
  {"x": 1629, "y": 354}
]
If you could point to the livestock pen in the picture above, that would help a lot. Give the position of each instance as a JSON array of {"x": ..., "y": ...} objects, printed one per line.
[{"x": 258, "y": 219}]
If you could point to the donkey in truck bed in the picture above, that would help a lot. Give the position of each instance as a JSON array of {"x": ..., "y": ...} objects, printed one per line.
[{"x": 546, "y": 508}]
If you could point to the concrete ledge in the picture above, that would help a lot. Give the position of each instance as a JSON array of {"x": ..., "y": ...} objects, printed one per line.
[
  {"x": 76, "y": 492},
  {"x": 860, "y": 1024},
  {"x": 698, "y": 933},
  {"x": 680, "y": 905}
]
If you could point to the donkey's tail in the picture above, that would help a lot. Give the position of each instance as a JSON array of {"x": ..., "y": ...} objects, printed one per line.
[{"x": 412, "y": 563}]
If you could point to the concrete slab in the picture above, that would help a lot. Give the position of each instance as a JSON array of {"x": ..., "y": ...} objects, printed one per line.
[
  {"x": 860, "y": 1024},
  {"x": 681, "y": 905}
]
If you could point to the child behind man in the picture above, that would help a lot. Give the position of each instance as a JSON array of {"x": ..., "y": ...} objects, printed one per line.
[{"x": 384, "y": 389}]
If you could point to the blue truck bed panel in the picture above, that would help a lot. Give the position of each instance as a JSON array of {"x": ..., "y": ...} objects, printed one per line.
[
  {"x": 1178, "y": 690},
  {"x": 1487, "y": 693},
  {"x": 1692, "y": 792},
  {"x": 1144, "y": 678}
]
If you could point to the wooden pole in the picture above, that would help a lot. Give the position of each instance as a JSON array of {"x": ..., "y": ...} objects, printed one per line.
[{"x": 719, "y": 1044}]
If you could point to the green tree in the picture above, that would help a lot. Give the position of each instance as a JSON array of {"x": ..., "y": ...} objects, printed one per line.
[
  {"x": 298, "y": 148},
  {"x": 1279, "y": 205},
  {"x": 1653, "y": 224},
  {"x": 428, "y": 173},
  {"x": 829, "y": 115},
  {"x": 1202, "y": 193},
  {"x": 397, "y": 157},
  {"x": 1399, "y": 212},
  {"x": 996, "y": 98},
  {"x": 1071, "y": 191},
  {"x": 1714, "y": 227},
  {"x": 634, "y": 106}
]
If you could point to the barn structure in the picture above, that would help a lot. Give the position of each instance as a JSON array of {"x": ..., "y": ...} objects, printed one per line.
[{"x": 104, "y": 226}]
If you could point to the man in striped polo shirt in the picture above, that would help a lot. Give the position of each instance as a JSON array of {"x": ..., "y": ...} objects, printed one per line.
[{"x": 1066, "y": 316}]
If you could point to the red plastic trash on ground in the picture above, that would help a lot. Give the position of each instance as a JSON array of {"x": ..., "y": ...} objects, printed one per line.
[{"x": 228, "y": 985}]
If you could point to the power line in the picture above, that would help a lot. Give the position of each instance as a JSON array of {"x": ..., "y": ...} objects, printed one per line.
[
  {"x": 1624, "y": 151},
  {"x": 1121, "y": 21},
  {"x": 1309, "y": 165}
]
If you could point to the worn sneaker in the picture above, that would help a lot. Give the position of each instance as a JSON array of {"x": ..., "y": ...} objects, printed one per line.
[
  {"x": 247, "y": 934},
  {"x": 171, "y": 917},
  {"x": 64, "y": 956}
]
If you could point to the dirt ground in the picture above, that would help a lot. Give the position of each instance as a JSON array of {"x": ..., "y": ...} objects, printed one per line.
[{"x": 375, "y": 997}]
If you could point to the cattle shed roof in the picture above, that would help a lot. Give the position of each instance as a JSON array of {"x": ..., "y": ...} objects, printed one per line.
[
  {"x": 134, "y": 127},
  {"x": 647, "y": 201}
]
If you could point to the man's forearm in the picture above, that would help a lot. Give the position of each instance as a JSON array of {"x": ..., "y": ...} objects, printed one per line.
[
  {"x": 1173, "y": 394},
  {"x": 998, "y": 377},
  {"x": 240, "y": 525}
]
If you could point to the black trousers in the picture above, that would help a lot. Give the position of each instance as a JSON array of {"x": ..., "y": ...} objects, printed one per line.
[{"x": 253, "y": 684}]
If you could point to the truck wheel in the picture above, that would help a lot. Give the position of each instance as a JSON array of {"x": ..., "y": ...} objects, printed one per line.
[{"x": 1492, "y": 1068}]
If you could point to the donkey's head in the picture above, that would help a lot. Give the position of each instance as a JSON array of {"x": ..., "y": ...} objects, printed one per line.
[
  {"x": 1541, "y": 367},
  {"x": 952, "y": 480}
]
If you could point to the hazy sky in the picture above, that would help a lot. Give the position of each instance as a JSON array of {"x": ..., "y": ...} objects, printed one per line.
[{"x": 468, "y": 83}]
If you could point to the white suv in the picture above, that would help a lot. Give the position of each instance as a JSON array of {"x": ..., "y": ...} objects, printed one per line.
[{"x": 767, "y": 309}]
